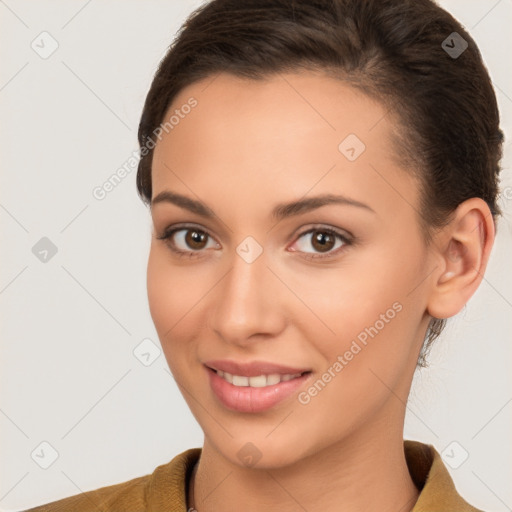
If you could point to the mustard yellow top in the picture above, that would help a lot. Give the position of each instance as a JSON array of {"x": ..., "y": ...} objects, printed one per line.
[{"x": 165, "y": 490}]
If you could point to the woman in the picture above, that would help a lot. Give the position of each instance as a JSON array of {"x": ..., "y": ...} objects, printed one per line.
[{"x": 322, "y": 177}]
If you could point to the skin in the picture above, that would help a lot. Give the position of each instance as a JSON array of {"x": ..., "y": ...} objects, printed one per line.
[{"x": 245, "y": 147}]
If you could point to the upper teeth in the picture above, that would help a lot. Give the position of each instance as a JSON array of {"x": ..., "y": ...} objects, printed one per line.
[{"x": 256, "y": 382}]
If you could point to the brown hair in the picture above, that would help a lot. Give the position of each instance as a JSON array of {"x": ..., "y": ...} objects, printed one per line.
[{"x": 393, "y": 50}]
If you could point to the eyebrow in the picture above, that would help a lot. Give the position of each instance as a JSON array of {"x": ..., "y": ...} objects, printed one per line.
[{"x": 279, "y": 212}]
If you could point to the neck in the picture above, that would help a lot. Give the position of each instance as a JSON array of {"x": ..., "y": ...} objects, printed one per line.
[{"x": 367, "y": 472}]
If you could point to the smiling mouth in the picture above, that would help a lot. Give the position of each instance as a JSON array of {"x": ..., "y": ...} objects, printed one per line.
[
  {"x": 254, "y": 387},
  {"x": 258, "y": 381}
]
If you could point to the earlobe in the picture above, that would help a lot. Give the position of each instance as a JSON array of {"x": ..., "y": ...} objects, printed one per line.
[{"x": 463, "y": 248}]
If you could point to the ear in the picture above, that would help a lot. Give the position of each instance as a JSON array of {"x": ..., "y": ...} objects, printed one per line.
[{"x": 462, "y": 250}]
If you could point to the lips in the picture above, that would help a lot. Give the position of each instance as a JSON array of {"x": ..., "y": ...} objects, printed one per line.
[
  {"x": 254, "y": 368},
  {"x": 256, "y": 386},
  {"x": 261, "y": 381}
]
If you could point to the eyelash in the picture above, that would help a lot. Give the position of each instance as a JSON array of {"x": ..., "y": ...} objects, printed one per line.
[{"x": 347, "y": 241}]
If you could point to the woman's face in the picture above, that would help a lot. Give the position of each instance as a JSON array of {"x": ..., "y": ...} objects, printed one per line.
[{"x": 338, "y": 291}]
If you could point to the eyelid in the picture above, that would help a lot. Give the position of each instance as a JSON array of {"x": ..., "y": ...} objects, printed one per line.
[
  {"x": 343, "y": 233},
  {"x": 345, "y": 236},
  {"x": 172, "y": 229}
]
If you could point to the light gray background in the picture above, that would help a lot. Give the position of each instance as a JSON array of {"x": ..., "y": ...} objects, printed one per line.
[{"x": 69, "y": 326}]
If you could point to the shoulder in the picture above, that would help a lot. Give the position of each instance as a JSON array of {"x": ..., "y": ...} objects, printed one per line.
[
  {"x": 165, "y": 487},
  {"x": 128, "y": 495}
]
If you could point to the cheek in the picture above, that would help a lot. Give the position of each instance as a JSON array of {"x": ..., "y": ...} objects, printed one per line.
[
  {"x": 161, "y": 286},
  {"x": 172, "y": 289},
  {"x": 175, "y": 293},
  {"x": 169, "y": 292},
  {"x": 366, "y": 291},
  {"x": 370, "y": 356}
]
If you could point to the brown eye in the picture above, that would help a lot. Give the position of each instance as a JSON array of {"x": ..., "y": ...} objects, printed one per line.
[
  {"x": 188, "y": 240},
  {"x": 325, "y": 242},
  {"x": 195, "y": 239}
]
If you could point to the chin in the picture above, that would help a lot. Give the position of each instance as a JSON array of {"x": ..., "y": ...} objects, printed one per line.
[{"x": 249, "y": 450}]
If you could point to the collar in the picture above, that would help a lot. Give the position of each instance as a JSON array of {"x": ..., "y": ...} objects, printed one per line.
[
  {"x": 167, "y": 486},
  {"x": 431, "y": 477}
]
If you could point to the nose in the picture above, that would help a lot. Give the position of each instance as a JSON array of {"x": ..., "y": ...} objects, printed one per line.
[{"x": 247, "y": 306}]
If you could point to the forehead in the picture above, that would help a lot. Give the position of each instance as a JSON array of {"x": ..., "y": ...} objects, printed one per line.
[
  {"x": 282, "y": 108},
  {"x": 279, "y": 137}
]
